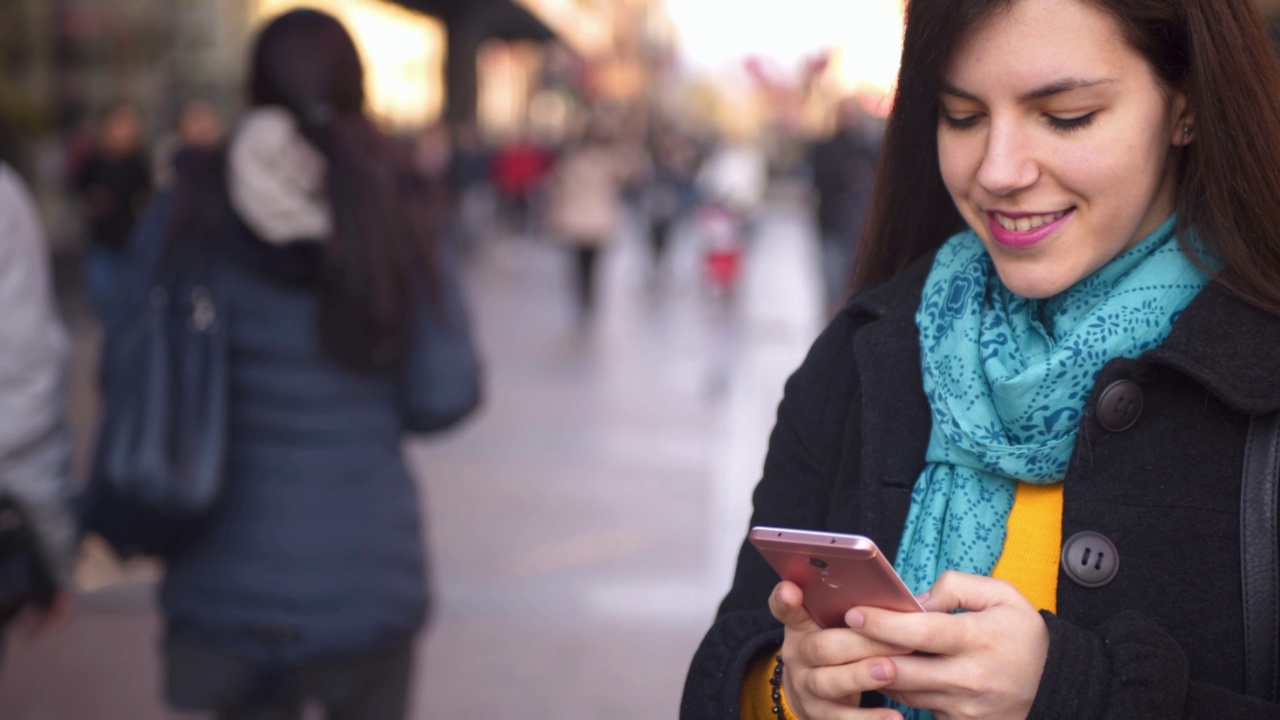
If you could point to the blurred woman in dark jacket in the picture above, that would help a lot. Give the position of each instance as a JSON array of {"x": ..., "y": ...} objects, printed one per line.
[
  {"x": 307, "y": 582},
  {"x": 114, "y": 184}
]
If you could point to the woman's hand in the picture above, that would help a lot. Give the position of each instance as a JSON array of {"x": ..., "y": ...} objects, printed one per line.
[
  {"x": 825, "y": 672},
  {"x": 984, "y": 663}
]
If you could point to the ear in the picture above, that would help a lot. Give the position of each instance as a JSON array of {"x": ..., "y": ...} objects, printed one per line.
[{"x": 1184, "y": 120}]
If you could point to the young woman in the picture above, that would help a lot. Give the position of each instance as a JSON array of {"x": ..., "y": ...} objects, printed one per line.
[
  {"x": 1069, "y": 297},
  {"x": 307, "y": 580}
]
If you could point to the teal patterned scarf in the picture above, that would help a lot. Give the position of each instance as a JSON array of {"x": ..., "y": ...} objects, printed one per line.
[{"x": 1007, "y": 379}]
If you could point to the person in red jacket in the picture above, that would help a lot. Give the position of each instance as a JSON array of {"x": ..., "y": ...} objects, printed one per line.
[{"x": 517, "y": 170}]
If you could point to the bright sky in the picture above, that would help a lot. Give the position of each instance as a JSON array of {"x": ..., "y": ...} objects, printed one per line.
[{"x": 867, "y": 34}]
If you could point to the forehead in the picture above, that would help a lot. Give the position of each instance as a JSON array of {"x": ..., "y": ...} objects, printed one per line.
[{"x": 1035, "y": 41}]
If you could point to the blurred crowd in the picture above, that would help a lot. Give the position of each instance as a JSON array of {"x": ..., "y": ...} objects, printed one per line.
[{"x": 492, "y": 190}]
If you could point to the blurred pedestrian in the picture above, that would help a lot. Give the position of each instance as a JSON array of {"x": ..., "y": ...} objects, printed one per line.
[
  {"x": 307, "y": 581},
  {"x": 586, "y": 206},
  {"x": 518, "y": 169},
  {"x": 38, "y": 533},
  {"x": 469, "y": 177},
  {"x": 114, "y": 184},
  {"x": 735, "y": 176},
  {"x": 199, "y": 128},
  {"x": 431, "y": 160},
  {"x": 669, "y": 192},
  {"x": 731, "y": 183},
  {"x": 843, "y": 167}
]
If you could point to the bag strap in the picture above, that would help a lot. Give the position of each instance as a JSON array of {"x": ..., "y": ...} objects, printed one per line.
[{"x": 1260, "y": 555}]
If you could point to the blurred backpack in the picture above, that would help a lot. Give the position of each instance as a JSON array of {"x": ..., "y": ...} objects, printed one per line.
[{"x": 24, "y": 577}]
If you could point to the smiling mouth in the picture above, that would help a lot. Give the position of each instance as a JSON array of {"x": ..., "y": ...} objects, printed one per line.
[{"x": 1026, "y": 222}]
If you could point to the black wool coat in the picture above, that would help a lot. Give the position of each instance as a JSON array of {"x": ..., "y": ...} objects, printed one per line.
[{"x": 1165, "y": 639}]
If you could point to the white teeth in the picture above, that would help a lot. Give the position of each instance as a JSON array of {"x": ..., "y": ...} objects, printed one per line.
[{"x": 1031, "y": 222}]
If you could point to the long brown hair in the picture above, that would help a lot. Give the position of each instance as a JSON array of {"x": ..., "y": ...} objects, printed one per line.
[
  {"x": 380, "y": 250},
  {"x": 1215, "y": 51}
]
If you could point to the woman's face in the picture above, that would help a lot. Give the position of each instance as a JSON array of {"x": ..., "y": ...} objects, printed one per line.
[{"x": 1055, "y": 141}]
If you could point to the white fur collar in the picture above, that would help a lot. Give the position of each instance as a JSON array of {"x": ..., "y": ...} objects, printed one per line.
[{"x": 276, "y": 179}]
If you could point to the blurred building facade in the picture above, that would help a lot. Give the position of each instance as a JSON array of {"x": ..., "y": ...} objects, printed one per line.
[{"x": 506, "y": 64}]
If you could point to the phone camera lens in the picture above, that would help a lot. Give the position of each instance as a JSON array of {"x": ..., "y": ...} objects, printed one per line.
[{"x": 818, "y": 563}]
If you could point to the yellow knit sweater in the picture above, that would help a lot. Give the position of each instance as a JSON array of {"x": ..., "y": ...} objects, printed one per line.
[{"x": 1029, "y": 561}]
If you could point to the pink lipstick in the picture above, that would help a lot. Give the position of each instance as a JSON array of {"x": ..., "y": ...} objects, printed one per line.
[{"x": 1023, "y": 239}]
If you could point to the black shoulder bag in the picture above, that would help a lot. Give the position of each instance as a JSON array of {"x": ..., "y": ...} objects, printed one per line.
[
  {"x": 162, "y": 442},
  {"x": 1260, "y": 555}
]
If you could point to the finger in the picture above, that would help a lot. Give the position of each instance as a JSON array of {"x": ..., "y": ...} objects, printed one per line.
[
  {"x": 819, "y": 709},
  {"x": 786, "y": 602},
  {"x": 840, "y": 646},
  {"x": 931, "y": 632},
  {"x": 916, "y": 674},
  {"x": 963, "y": 591},
  {"x": 842, "y": 681}
]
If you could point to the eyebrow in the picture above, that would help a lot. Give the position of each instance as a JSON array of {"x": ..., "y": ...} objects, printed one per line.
[{"x": 1054, "y": 88}]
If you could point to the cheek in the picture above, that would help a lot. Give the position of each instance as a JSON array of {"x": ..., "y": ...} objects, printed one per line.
[
  {"x": 1121, "y": 171},
  {"x": 958, "y": 163}
]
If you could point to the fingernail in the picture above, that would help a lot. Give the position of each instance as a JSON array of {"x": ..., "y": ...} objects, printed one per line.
[
  {"x": 922, "y": 597},
  {"x": 855, "y": 619},
  {"x": 879, "y": 672}
]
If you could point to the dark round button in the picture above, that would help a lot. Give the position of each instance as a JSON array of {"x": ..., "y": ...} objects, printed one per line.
[
  {"x": 1090, "y": 559},
  {"x": 1119, "y": 405}
]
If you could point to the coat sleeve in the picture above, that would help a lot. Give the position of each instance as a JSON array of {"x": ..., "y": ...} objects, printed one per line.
[
  {"x": 35, "y": 442},
  {"x": 794, "y": 492},
  {"x": 441, "y": 373},
  {"x": 1129, "y": 668}
]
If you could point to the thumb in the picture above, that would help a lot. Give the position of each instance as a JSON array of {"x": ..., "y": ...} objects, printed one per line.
[
  {"x": 786, "y": 602},
  {"x": 956, "y": 590}
]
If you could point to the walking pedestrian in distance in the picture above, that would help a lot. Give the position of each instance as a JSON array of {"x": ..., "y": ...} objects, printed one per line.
[
  {"x": 586, "y": 207},
  {"x": 114, "y": 185},
  {"x": 844, "y": 167}
]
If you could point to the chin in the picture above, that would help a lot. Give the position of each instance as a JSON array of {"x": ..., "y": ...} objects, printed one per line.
[{"x": 1031, "y": 287}]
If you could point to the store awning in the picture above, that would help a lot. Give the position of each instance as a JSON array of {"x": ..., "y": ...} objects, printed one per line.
[{"x": 497, "y": 19}]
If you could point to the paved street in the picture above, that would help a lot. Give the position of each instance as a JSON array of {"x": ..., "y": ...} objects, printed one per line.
[{"x": 582, "y": 527}]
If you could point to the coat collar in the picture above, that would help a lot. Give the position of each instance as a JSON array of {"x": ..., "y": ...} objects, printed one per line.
[
  {"x": 901, "y": 294},
  {"x": 1220, "y": 341},
  {"x": 1228, "y": 346}
]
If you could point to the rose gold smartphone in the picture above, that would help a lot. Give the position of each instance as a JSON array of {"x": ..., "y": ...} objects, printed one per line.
[{"x": 836, "y": 572}]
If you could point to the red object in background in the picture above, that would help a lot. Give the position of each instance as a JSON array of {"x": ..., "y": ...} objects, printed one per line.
[
  {"x": 722, "y": 228},
  {"x": 518, "y": 167},
  {"x": 723, "y": 266}
]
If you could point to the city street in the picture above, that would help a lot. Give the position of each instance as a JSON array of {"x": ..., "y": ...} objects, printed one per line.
[{"x": 582, "y": 526}]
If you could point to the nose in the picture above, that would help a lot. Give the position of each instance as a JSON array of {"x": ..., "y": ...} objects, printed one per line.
[{"x": 1008, "y": 164}]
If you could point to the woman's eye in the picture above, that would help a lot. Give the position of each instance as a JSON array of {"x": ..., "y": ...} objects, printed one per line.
[
  {"x": 1072, "y": 123},
  {"x": 962, "y": 122}
]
